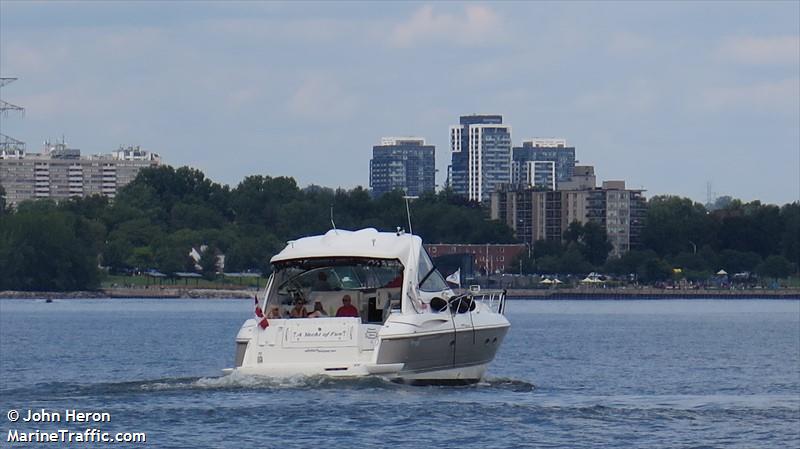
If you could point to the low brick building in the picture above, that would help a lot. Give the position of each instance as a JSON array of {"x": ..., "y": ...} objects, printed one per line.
[{"x": 487, "y": 258}]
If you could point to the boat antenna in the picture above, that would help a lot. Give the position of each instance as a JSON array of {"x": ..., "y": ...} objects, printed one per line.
[
  {"x": 332, "y": 223},
  {"x": 408, "y": 211}
]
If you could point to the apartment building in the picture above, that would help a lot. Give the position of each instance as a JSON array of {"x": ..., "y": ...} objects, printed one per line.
[
  {"x": 402, "y": 163},
  {"x": 545, "y": 215},
  {"x": 60, "y": 172}
]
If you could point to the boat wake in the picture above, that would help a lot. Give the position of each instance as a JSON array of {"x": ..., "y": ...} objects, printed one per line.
[
  {"x": 504, "y": 383},
  {"x": 241, "y": 382}
]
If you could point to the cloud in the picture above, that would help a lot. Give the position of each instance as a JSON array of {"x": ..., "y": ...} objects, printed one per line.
[
  {"x": 322, "y": 98},
  {"x": 477, "y": 25},
  {"x": 768, "y": 96},
  {"x": 761, "y": 50}
]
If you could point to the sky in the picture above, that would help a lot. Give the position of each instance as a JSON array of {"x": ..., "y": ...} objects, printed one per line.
[{"x": 668, "y": 96}]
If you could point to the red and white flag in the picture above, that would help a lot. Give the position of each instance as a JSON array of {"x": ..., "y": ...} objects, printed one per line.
[{"x": 264, "y": 323}]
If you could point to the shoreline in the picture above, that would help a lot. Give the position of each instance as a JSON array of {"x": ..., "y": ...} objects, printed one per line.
[
  {"x": 135, "y": 293},
  {"x": 530, "y": 294},
  {"x": 652, "y": 293}
]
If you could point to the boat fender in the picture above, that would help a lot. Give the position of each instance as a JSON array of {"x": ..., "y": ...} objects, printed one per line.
[
  {"x": 438, "y": 305},
  {"x": 462, "y": 304}
]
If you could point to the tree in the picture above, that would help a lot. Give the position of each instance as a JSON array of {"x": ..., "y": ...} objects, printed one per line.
[
  {"x": 690, "y": 261},
  {"x": 591, "y": 240},
  {"x": 171, "y": 255},
  {"x": 654, "y": 270},
  {"x": 116, "y": 253},
  {"x": 523, "y": 263},
  {"x": 141, "y": 258},
  {"x": 734, "y": 261},
  {"x": 155, "y": 191},
  {"x": 573, "y": 261},
  {"x": 750, "y": 227},
  {"x": 720, "y": 203},
  {"x": 645, "y": 265},
  {"x": 2, "y": 199},
  {"x": 673, "y": 225},
  {"x": 595, "y": 244},
  {"x": 45, "y": 249},
  {"x": 548, "y": 264},
  {"x": 775, "y": 267},
  {"x": 209, "y": 262},
  {"x": 790, "y": 240},
  {"x": 92, "y": 207},
  {"x": 543, "y": 248},
  {"x": 252, "y": 253}
]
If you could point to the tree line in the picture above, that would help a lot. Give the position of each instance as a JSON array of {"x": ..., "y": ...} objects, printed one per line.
[
  {"x": 159, "y": 217},
  {"x": 684, "y": 239},
  {"x": 155, "y": 220}
]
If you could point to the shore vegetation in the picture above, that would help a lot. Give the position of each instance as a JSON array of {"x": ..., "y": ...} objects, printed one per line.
[{"x": 158, "y": 222}]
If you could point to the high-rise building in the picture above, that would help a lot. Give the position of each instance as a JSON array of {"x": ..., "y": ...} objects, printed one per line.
[
  {"x": 402, "y": 163},
  {"x": 541, "y": 174},
  {"x": 61, "y": 172},
  {"x": 543, "y": 149},
  {"x": 480, "y": 146},
  {"x": 545, "y": 215}
]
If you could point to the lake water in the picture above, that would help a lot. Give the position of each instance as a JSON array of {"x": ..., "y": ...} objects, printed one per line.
[{"x": 571, "y": 374}]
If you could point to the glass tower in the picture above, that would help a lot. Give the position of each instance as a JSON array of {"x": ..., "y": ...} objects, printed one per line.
[
  {"x": 481, "y": 156},
  {"x": 402, "y": 163},
  {"x": 553, "y": 150}
]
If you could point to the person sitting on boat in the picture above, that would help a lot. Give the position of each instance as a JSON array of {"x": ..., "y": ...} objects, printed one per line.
[
  {"x": 318, "y": 311},
  {"x": 299, "y": 309},
  {"x": 347, "y": 309},
  {"x": 274, "y": 312}
]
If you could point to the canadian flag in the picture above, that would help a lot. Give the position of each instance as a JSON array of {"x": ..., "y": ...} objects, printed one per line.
[{"x": 264, "y": 323}]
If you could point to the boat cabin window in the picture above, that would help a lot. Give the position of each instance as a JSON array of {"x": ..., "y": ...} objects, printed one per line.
[
  {"x": 430, "y": 280},
  {"x": 367, "y": 288}
]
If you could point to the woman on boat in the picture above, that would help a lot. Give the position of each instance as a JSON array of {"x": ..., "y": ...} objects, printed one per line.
[
  {"x": 318, "y": 311},
  {"x": 299, "y": 309},
  {"x": 275, "y": 312}
]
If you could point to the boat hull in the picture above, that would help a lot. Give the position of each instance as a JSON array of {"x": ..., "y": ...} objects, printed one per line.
[{"x": 441, "y": 356}]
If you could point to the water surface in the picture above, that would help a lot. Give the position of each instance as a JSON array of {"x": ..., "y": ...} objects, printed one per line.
[{"x": 571, "y": 374}]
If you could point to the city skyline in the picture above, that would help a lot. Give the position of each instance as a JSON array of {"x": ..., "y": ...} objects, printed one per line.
[{"x": 666, "y": 96}]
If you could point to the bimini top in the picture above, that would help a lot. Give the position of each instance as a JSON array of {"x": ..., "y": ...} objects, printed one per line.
[{"x": 362, "y": 243}]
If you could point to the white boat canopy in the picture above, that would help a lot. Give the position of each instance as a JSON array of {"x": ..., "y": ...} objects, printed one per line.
[
  {"x": 421, "y": 280},
  {"x": 367, "y": 243}
]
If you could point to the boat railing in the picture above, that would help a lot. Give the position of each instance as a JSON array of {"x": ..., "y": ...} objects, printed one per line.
[{"x": 495, "y": 300}]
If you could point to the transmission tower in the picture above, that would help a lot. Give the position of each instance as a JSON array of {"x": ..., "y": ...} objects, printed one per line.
[
  {"x": 711, "y": 195},
  {"x": 9, "y": 144}
]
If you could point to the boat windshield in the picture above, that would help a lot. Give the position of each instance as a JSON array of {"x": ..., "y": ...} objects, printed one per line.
[
  {"x": 430, "y": 280},
  {"x": 320, "y": 285}
]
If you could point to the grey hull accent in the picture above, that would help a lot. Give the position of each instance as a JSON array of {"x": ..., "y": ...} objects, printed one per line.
[
  {"x": 420, "y": 353},
  {"x": 478, "y": 346}
]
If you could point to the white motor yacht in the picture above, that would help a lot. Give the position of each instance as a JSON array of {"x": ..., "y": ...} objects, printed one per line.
[{"x": 361, "y": 303}]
